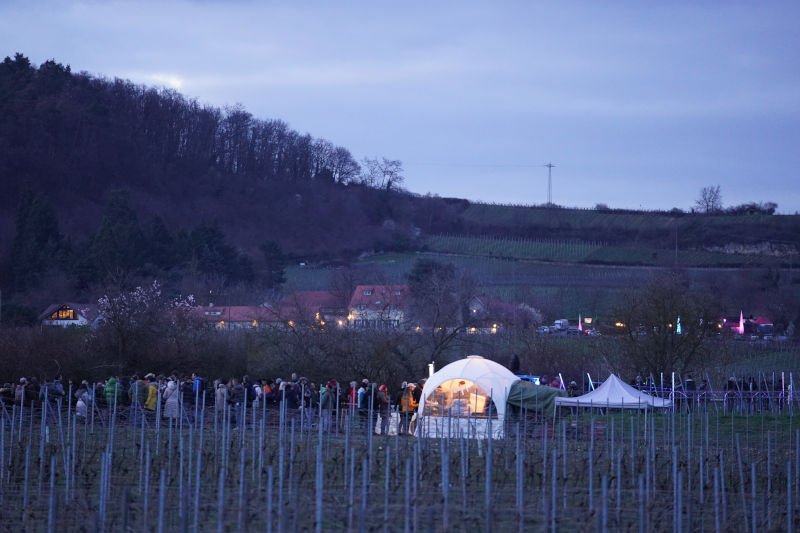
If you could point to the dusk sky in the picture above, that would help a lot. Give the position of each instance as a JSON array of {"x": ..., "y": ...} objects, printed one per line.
[{"x": 636, "y": 104}]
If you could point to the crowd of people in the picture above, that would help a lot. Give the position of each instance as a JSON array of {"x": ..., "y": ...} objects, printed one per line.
[{"x": 172, "y": 396}]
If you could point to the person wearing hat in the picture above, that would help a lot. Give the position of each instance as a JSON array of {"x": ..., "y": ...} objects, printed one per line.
[
  {"x": 220, "y": 397},
  {"x": 151, "y": 401},
  {"x": 572, "y": 390},
  {"x": 408, "y": 405},
  {"x": 84, "y": 400},
  {"x": 171, "y": 396},
  {"x": 110, "y": 392},
  {"x": 137, "y": 393},
  {"x": 362, "y": 394},
  {"x": 19, "y": 392},
  {"x": 368, "y": 404}
]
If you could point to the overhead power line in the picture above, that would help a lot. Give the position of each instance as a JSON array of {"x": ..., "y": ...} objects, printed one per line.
[{"x": 486, "y": 165}]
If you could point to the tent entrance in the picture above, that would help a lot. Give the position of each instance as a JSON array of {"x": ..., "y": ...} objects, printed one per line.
[{"x": 460, "y": 398}]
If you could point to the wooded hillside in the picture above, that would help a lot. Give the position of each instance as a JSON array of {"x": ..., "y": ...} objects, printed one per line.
[{"x": 108, "y": 183}]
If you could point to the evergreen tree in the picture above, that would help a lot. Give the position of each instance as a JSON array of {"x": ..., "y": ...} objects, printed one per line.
[
  {"x": 36, "y": 242},
  {"x": 118, "y": 248},
  {"x": 275, "y": 272},
  {"x": 218, "y": 261},
  {"x": 161, "y": 245}
]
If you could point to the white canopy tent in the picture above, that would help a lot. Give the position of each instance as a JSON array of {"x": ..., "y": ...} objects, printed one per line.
[
  {"x": 615, "y": 393},
  {"x": 467, "y": 397}
]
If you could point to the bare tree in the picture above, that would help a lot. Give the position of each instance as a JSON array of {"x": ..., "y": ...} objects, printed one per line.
[
  {"x": 667, "y": 325},
  {"x": 440, "y": 297},
  {"x": 382, "y": 173},
  {"x": 710, "y": 200},
  {"x": 332, "y": 162}
]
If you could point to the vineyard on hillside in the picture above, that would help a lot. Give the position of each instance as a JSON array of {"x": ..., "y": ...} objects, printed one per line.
[
  {"x": 583, "y": 251},
  {"x": 555, "y": 217},
  {"x": 543, "y": 250}
]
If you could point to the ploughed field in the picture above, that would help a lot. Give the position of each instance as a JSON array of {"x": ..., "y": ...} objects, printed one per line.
[{"x": 707, "y": 468}]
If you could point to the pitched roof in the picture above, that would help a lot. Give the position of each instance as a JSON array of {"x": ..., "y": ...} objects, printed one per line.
[
  {"x": 89, "y": 311},
  {"x": 378, "y": 297}
]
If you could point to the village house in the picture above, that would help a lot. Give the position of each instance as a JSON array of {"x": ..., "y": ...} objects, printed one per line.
[
  {"x": 69, "y": 314},
  {"x": 236, "y": 317},
  {"x": 378, "y": 306}
]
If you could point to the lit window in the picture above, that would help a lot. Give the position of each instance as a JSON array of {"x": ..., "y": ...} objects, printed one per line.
[{"x": 65, "y": 313}]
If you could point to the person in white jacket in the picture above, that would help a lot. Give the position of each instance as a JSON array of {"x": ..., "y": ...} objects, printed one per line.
[
  {"x": 84, "y": 400},
  {"x": 171, "y": 397}
]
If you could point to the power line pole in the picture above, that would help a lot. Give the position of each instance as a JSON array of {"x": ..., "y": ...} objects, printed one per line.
[{"x": 549, "y": 183}]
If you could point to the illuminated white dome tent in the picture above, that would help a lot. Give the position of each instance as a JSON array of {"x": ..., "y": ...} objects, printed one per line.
[{"x": 467, "y": 397}]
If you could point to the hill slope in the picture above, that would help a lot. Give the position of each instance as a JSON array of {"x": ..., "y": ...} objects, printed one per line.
[{"x": 199, "y": 179}]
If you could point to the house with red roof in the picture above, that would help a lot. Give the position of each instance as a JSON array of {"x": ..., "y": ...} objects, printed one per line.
[
  {"x": 378, "y": 306},
  {"x": 236, "y": 317}
]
